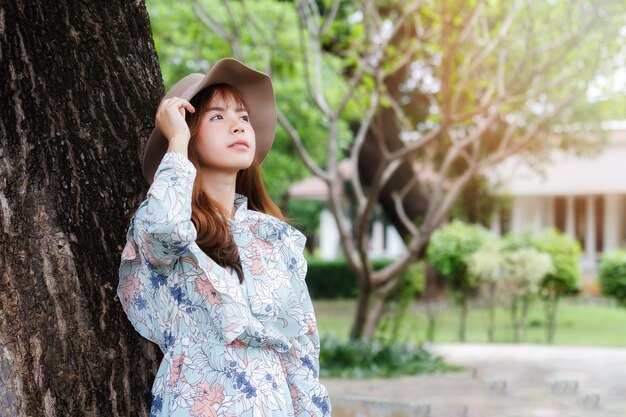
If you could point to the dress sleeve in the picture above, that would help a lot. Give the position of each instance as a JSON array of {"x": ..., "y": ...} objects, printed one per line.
[
  {"x": 162, "y": 225},
  {"x": 301, "y": 362},
  {"x": 159, "y": 232}
]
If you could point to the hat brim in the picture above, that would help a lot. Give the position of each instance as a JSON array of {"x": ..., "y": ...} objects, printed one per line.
[{"x": 256, "y": 89}]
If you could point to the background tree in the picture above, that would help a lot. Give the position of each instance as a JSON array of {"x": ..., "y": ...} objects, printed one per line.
[
  {"x": 564, "y": 279},
  {"x": 612, "y": 273},
  {"x": 473, "y": 82},
  {"x": 450, "y": 250},
  {"x": 80, "y": 86},
  {"x": 485, "y": 265},
  {"x": 523, "y": 270}
]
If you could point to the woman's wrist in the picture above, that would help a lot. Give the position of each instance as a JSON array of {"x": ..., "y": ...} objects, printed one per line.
[{"x": 178, "y": 144}]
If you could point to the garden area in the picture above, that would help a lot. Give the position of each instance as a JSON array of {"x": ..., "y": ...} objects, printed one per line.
[{"x": 519, "y": 288}]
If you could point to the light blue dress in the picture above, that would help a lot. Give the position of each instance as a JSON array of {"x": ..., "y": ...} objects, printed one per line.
[{"x": 230, "y": 349}]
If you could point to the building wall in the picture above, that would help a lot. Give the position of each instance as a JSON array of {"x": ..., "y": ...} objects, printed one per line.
[{"x": 596, "y": 221}]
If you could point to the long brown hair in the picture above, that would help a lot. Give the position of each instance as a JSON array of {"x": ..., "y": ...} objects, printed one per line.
[{"x": 209, "y": 218}]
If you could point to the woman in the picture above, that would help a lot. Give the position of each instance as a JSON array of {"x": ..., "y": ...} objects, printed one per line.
[{"x": 210, "y": 271}]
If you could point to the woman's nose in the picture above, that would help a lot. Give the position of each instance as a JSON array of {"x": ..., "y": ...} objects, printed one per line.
[{"x": 238, "y": 127}]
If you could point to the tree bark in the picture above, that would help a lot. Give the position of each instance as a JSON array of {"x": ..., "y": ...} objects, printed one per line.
[
  {"x": 491, "y": 323},
  {"x": 374, "y": 315},
  {"x": 361, "y": 313},
  {"x": 463, "y": 318},
  {"x": 80, "y": 84},
  {"x": 551, "y": 308}
]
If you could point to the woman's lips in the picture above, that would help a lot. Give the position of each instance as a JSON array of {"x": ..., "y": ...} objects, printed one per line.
[{"x": 240, "y": 144}]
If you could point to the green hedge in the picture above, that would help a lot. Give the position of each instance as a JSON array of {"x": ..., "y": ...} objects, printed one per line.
[{"x": 334, "y": 279}]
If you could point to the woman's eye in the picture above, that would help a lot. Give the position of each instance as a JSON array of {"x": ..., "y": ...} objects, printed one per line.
[
  {"x": 245, "y": 118},
  {"x": 216, "y": 117}
]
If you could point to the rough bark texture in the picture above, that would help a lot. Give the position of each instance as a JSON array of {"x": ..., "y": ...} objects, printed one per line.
[{"x": 80, "y": 83}]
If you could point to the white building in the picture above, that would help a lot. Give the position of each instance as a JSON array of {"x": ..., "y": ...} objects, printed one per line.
[{"x": 583, "y": 196}]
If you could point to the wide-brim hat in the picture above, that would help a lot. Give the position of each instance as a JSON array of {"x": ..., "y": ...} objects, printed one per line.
[{"x": 256, "y": 89}]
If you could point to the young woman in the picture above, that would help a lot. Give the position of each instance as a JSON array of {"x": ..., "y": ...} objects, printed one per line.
[{"x": 210, "y": 271}]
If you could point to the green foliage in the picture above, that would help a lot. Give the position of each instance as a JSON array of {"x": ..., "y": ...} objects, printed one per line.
[
  {"x": 359, "y": 359},
  {"x": 450, "y": 249},
  {"x": 565, "y": 254},
  {"x": 485, "y": 265},
  {"x": 334, "y": 279},
  {"x": 612, "y": 273},
  {"x": 523, "y": 271}
]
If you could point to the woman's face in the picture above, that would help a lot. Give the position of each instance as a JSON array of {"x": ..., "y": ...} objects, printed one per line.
[{"x": 225, "y": 140}]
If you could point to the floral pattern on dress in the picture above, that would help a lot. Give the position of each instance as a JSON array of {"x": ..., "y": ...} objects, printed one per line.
[{"x": 230, "y": 349}]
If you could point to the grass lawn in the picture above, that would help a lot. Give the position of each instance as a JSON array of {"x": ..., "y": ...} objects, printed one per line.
[{"x": 581, "y": 321}]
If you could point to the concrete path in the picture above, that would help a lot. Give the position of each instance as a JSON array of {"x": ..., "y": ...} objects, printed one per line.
[{"x": 499, "y": 381}]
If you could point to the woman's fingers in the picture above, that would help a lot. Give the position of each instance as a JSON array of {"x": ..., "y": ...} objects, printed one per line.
[
  {"x": 176, "y": 102},
  {"x": 170, "y": 117}
]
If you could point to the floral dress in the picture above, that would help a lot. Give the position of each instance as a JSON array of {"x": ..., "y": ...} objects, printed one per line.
[{"x": 230, "y": 349}]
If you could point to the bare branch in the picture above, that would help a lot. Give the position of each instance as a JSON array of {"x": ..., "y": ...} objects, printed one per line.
[
  {"x": 306, "y": 158},
  {"x": 330, "y": 17},
  {"x": 471, "y": 22},
  {"x": 364, "y": 215},
  {"x": 358, "y": 144},
  {"x": 209, "y": 22},
  {"x": 314, "y": 81},
  {"x": 399, "y": 207},
  {"x": 414, "y": 247}
]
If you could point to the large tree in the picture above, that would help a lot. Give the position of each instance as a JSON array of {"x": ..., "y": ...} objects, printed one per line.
[{"x": 80, "y": 83}]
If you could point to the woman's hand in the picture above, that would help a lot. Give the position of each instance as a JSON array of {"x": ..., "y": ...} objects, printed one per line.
[{"x": 170, "y": 118}]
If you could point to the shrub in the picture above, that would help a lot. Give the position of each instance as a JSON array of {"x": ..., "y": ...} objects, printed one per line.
[
  {"x": 449, "y": 252},
  {"x": 612, "y": 273},
  {"x": 565, "y": 276},
  {"x": 565, "y": 253},
  {"x": 360, "y": 359},
  {"x": 450, "y": 248}
]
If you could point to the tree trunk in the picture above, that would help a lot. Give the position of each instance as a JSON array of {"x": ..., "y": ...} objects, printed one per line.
[
  {"x": 551, "y": 306},
  {"x": 362, "y": 308},
  {"x": 491, "y": 324},
  {"x": 525, "y": 309},
  {"x": 515, "y": 319},
  {"x": 374, "y": 316},
  {"x": 431, "y": 315},
  {"x": 463, "y": 318},
  {"x": 80, "y": 84}
]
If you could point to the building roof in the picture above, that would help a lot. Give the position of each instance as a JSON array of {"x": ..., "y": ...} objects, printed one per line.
[
  {"x": 315, "y": 188},
  {"x": 567, "y": 174}
]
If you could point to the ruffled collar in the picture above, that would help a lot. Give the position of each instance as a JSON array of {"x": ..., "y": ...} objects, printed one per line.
[{"x": 241, "y": 209}]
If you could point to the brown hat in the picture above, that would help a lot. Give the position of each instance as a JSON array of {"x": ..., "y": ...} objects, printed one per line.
[{"x": 256, "y": 89}]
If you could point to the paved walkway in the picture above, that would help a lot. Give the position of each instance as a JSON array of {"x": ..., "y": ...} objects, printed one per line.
[{"x": 499, "y": 381}]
